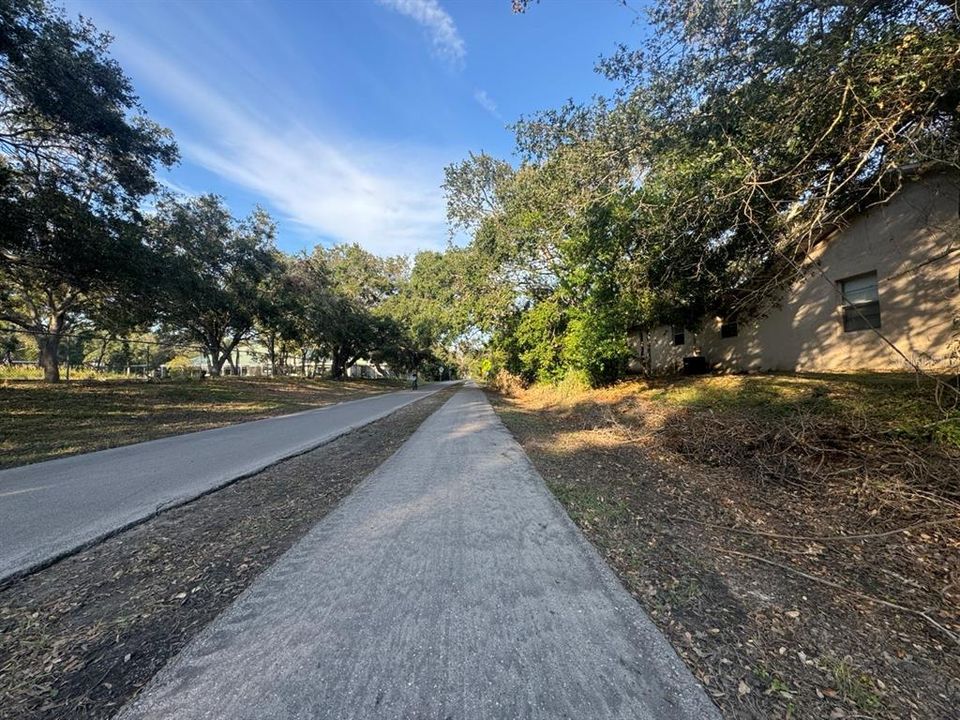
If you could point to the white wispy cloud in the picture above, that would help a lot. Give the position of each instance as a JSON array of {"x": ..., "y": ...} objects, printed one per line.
[
  {"x": 443, "y": 32},
  {"x": 487, "y": 103},
  {"x": 341, "y": 197},
  {"x": 384, "y": 197},
  {"x": 176, "y": 187}
]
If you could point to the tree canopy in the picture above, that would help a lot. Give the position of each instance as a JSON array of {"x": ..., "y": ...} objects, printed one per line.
[
  {"x": 739, "y": 136},
  {"x": 215, "y": 272},
  {"x": 77, "y": 154},
  {"x": 86, "y": 241}
]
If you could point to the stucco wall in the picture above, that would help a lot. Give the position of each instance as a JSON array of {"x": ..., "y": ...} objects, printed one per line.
[{"x": 913, "y": 244}]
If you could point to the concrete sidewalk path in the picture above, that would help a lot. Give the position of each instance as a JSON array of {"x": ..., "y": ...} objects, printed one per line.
[
  {"x": 53, "y": 508},
  {"x": 449, "y": 585}
]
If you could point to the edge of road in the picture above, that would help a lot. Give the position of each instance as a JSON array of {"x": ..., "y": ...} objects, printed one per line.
[
  {"x": 691, "y": 695},
  {"x": 682, "y": 686},
  {"x": 7, "y": 579}
]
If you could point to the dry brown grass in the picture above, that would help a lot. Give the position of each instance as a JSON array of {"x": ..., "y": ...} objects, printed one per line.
[
  {"x": 800, "y": 553},
  {"x": 40, "y": 421}
]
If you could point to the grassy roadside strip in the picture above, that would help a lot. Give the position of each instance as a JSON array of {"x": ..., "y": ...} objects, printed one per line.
[
  {"x": 80, "y": 638},
  {"x": 742, "y": 568},
  {"x": 41, "y": 422}
]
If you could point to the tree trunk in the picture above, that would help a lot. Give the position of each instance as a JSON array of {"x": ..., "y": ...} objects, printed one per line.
[
  {"x": 336, "y": 367},
  {"x": 103, "y": 352},
  {"x": 216, "y": 365},
  {"x": 272, "y": 353},
  {"x": 216, "y": 360},
  {"x": 347, "y": 364},
  {"x": 49, "y": 346}
]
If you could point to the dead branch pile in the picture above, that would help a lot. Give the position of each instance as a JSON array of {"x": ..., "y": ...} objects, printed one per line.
[
  {"x": 811, "y": 453},
  {"x": 506, "y": 383}
]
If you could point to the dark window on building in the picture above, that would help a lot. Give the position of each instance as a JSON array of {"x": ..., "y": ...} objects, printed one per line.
[
  {"x": 861, "y": 302},
  {"x": 678, "y": 336},
  {"x": 729, "y": 329}
]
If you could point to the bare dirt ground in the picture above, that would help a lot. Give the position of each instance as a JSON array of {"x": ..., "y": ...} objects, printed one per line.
[
  {"x": 808, "y": 585},
  {"x": 80, "y": 638}
]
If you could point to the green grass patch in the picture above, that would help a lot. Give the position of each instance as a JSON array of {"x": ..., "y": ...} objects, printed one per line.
[
  {"x": 853, "y": 684},
  {"x": 590, "y": 507},
  {"x": 32, "y": 372}
]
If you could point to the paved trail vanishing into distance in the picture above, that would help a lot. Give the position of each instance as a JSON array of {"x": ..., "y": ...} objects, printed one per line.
[
  {"x": 53, "y": 508},
  {"x": 449, "y": 585}
]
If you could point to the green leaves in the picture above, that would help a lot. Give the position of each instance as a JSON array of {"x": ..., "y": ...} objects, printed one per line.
[
  {"x": 77, "y": 155},
  {"x": 740, "y": 134},
  {"x": 71, "y": 117},
  {"x": 216, "y": 270}
]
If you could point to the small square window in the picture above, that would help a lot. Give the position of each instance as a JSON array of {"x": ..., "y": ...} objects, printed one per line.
[
  {"x": 729, "y": 329},
  {"x": 679, "y": 338},
  {"x": 861, "y": 302}
]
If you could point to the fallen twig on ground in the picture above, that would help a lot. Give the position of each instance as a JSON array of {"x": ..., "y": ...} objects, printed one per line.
[
  {"x": 819, "y": 538},
  {"x": 837, "y": 586}
]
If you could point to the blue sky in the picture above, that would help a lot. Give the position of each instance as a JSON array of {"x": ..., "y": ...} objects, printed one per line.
[{"x": 338, "y": 117}]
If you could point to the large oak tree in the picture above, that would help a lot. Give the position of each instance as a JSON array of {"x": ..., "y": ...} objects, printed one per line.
[
  {"x": 77, "y": 155},
  {"x": 216, "y": 270}
]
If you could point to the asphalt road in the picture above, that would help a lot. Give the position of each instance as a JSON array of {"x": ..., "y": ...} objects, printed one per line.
[
  {"x": 449, "y": 585},
  {"x": 53, "y": 508}
]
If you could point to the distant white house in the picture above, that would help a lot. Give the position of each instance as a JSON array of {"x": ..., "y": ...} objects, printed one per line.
[{"x": 880, "y": 294}]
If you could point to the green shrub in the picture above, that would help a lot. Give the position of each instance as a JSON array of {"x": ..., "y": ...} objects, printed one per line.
[{"x": 595, "y": 346}]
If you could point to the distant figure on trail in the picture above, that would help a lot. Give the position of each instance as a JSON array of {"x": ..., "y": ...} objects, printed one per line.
[{"x": 413, "y": 380}]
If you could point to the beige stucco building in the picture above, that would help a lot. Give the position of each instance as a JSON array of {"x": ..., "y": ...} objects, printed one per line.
[{"x": 880, "y": 294}]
